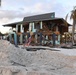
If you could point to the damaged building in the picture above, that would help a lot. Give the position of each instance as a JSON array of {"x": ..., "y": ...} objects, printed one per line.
[{"x": 40, "y": 28}]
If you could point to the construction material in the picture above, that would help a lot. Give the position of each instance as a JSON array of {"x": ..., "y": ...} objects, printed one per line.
[{"x": 17, "y": 61}]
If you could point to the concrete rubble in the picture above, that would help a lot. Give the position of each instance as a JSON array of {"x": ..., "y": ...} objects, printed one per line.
[{"x": 18, "y": 61}]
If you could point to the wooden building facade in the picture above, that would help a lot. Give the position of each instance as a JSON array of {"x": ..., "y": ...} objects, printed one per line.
[{"x": 43, "y": 24}]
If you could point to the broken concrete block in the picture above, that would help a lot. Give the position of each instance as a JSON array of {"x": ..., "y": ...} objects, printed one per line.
[
  {"x": 33, "y": 73},
  {"x": 6, "y": 72},
  {"x": 44, "y": 74},
  {"x": 21, "y": 73}
]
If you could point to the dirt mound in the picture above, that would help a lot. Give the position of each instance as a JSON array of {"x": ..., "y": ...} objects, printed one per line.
[{"x": 40, "y": 60}]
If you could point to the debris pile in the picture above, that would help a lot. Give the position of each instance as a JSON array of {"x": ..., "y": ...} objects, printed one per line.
[{"x": 17, "y": 61}]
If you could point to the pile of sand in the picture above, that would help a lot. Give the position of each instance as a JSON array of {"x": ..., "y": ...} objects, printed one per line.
[{"x": 14, "y": 58}]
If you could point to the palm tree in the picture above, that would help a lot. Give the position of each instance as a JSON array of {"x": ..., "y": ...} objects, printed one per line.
[
  {"x": 0, "y": 2},
  {"x": 73, "y": 17}
]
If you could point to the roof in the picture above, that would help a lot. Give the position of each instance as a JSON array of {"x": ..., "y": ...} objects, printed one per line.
[
  {"x": 13, "y": 24},
  {"x": 40, "y": 17},
  {"x": 59, "y": 21},
  {"x": 45, "y": 17},
  {"x": 55, "y": 20}
]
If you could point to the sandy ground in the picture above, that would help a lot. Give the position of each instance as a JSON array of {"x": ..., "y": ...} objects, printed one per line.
[{"x": 50, "y": 61}]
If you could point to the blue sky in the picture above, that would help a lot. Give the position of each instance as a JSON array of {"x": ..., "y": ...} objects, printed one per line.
[{"x": 15, "y": 10}]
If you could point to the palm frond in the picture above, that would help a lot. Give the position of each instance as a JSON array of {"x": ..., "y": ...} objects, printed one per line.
[
  {"x": 74, "y": 7},
  {"x": 65, "y": 22},
  {"x": 73, "y": 14},
  {"x": 66, "y": 17}
]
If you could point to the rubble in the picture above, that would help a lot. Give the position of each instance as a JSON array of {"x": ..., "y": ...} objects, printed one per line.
[{"x": 18, "y": 61}]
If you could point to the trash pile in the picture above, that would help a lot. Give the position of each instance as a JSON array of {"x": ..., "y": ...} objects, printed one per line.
[{"x": 17, "y": 61}]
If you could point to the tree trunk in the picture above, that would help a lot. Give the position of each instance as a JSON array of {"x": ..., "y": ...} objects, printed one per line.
[{"x": 73, "y": 31}]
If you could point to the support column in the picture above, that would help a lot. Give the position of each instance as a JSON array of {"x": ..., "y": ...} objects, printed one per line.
[
  {"x": 30, "y": 26},
  {"x": 40, "y": 38},
  {"x": 21, "y": 28},
  {"x": 41, "y": 25},
  {"x": 58, "y": 40},
  {"x": 56, "y": 28},
  {"x": 10, "y": 37},
  {"x": 16, "y": 28},
  {"x": 36, "y": 38},
  {"x": 21, "y": 39},
  {"x": 15, "y": 39},
  {"x": 33, "y": 27},
  {"x": 21, "y": 36}
]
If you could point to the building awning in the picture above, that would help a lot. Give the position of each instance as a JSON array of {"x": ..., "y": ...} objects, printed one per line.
[
  {"x": 12, "y": 24},
  {"x": 59, "y": 22}
]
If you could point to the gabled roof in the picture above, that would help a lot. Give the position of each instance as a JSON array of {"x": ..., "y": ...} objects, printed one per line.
[{"x": 40, "y": 17}]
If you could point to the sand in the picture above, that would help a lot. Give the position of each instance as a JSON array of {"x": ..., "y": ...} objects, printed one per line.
[{"x": 18, "y": 61}]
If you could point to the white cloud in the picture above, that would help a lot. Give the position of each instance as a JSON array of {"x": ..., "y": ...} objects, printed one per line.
[
  {"x": 15, "y": 10},
  {"x": 11, "y": 14}
]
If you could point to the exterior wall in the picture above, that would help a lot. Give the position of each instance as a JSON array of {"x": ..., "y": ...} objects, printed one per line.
[{"x": 44, "y": 28}]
